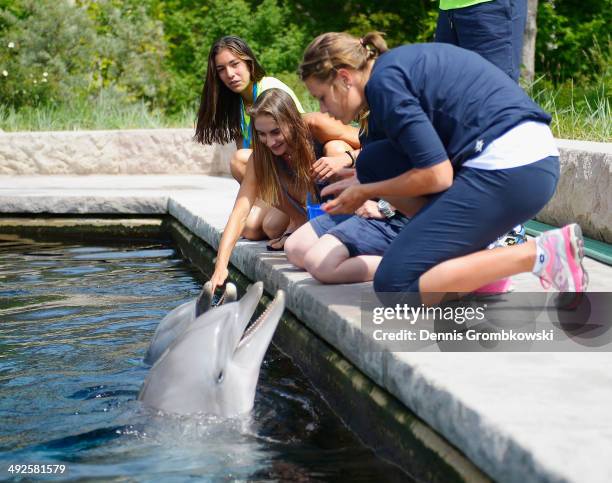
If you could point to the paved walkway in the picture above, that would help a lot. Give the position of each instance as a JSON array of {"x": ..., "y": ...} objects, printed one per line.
[{"x": 518, "y": 416}]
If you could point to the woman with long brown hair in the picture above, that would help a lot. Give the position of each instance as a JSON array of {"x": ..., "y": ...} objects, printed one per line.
[
  {"x": 234, "y": 80},
  {"x": 278, "y": 172}
]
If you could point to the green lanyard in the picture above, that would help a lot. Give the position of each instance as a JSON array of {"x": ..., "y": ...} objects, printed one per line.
[{"x": 245, "y": 125}]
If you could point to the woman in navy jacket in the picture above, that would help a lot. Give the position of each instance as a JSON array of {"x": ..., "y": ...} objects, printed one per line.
[{"x": 439, "y": 121}]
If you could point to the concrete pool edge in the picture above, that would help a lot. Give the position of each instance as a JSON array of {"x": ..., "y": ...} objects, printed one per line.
[{"x": 87, "y": 228}]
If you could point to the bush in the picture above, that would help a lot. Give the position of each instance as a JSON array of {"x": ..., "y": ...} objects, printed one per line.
[
  {"x": 52, "y": 51},
  {"x": 574, "y": 39},
  {"x": 45, "y": 55},
  {"x": 130, "y": 50}
]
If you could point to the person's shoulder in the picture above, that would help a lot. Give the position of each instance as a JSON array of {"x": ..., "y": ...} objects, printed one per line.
[
  {"x": 417, "y": 51},
  {"x": 271, "y": 83},
  {"x": 414, "y": 59}
]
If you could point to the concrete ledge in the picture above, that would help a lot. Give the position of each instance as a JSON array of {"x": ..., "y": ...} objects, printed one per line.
[
  {"x": 518, "y": 417},
  {"x": 584, "y": 193},
  {"x": 502, "y": 410},
  {"x": 139, "y": 151},
  {"x": 85, "y": 229}
]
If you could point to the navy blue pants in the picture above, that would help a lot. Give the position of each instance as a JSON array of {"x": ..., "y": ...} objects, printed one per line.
[
  {"x": 479, "y": 207},
  {"x": 493, "y": 29}
]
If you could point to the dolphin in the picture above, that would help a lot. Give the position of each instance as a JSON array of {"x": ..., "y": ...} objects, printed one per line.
[
  {"x": 213, "y": 366},
  {"x": 174, "y": 323}
]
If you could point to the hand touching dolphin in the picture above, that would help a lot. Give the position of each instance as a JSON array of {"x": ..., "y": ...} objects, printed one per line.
[
  {"x": 174, "y": 323},
  {"x": 213, "y": 366}
]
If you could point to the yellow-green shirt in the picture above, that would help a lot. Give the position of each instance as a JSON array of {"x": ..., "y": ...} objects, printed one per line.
[
  {"x": 263, "y": 85},
  {"x": 452, "y": 4}
]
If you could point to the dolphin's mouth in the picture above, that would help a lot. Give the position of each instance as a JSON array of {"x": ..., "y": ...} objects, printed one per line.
[{"x": 249, "y": 333}]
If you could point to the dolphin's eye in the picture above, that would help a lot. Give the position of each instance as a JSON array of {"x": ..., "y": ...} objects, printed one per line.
[{"x": 220, "y": 377}]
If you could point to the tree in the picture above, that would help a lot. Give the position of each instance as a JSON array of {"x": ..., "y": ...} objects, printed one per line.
[{"x": 529, "y": 41}]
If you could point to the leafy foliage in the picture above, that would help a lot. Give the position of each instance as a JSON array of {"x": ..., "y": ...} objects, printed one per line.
[
  {"x": 153, "y": 52},
  {"x": 54, "y": 50},
  {"x": 130, "y": 49},
  {"x": 45, "y": 52},
  {"x": 574, "y": 39}
]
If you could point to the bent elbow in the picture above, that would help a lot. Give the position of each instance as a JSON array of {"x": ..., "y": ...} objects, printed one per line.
[
  {"x": 443, "y": 176},
  {"x": 445, "y": 182}
]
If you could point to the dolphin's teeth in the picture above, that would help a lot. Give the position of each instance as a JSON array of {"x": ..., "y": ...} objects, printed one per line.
[{"x": 253, "y": 327}]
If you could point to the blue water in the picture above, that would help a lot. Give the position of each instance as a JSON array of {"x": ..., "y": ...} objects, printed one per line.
[{"x": 75, "y": 322}]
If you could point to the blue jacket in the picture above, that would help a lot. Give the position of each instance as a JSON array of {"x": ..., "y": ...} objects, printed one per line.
[{"x": 438, "y": 101}]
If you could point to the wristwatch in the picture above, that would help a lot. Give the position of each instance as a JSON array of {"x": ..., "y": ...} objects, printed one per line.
[{"x": 385, "y": 209}]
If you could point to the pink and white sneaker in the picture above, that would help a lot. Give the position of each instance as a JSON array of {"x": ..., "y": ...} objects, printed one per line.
[{"x": 561, "y": 253}]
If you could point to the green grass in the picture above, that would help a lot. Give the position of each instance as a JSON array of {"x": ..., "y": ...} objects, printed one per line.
[
  {"x": 578, "y": 111},
  {"x": 102, "y": 112}
]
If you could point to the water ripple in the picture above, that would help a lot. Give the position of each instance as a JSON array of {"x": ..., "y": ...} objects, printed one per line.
[{"x": 75, "y": 322}]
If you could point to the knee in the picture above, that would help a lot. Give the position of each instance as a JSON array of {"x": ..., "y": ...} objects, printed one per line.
[
  {"x": 253, "y": 234},
  {"x": 385, "y": 280},
  {"x": 238, "y": 165},
  {"x": 332, "y": 148},
  {"x": 274, "y": 226},
  {"x": 294, "y": 251},
  {"x": 318, "y": 270}
]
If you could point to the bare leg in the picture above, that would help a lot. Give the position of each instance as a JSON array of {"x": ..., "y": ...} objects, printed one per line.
[
  {"x": 238, "y": 163},
  {"x": 296, "y": 219},
  {"x": 293, "y": 225},
  {"x": 253, "y": 230},
  {"x": 325, "y": 128},
  {"x": 329, "y": 262},
  {"x": 470, "y": 272},
  {"x": 298, "y": 244},
  {"x": 275, "y": 223}
]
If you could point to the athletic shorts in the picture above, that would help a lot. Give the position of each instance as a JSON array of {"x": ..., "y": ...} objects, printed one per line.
[{"x": 361, "y": 236}]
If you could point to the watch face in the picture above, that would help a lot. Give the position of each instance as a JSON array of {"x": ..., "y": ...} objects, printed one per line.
[{"x": 385, "y": 208}]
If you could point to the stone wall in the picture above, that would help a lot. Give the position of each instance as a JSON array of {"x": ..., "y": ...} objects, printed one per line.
[
  {"x": 141, "y": 151},
  {"x": 584, "y": 194}
]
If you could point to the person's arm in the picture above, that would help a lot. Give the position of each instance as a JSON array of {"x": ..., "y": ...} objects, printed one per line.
[
  {"x": 235, "y": 224},
  {"x": 327, "y": 166},
  {"x": 324, "y": 128},
  {"x": 396, "y": 110},
  {"x": 412, "y": 183}
]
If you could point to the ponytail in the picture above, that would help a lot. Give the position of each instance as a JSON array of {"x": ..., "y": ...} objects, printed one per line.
[{"x": 332, "y": 51}]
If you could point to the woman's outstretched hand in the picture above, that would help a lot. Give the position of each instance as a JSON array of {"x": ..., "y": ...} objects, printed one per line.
[{"x": 218, "y": 277}]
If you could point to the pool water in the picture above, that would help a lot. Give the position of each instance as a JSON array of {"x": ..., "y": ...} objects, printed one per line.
[{"x": 75, "y": 321}]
